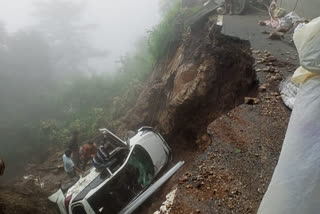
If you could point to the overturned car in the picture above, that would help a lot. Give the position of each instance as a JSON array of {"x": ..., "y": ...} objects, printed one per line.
[{"x": 126, "y": 183}]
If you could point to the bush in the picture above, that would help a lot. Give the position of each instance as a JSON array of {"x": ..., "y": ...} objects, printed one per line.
[{"x": 162, "y": 36}]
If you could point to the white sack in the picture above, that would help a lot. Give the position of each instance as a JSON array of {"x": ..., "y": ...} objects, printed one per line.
[
  {"x": 295, "y": 185},
  {"x": 288, "y": 92},
  {"x": 307, "y": 42}
]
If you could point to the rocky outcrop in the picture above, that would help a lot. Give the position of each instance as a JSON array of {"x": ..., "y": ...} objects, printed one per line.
[{"x": 206, "y": 75}]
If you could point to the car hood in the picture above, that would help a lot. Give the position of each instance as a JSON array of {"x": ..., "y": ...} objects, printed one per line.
[{"x": 83, "y": 182}]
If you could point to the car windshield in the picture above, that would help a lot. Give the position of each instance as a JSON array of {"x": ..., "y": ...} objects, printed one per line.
[
  {"x": 125, "y": 185},
  {"x": 78, "y": 209}
]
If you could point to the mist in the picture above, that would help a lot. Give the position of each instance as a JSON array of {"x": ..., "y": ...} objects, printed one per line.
[
  {"x": 69, "y": 65},
  {"x": 118, "y": 24}
]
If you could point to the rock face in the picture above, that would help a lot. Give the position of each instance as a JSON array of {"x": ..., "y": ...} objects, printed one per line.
[{"x": 205, "y": 75}]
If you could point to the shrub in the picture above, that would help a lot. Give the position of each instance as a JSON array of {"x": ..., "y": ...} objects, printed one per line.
[{"x": 162, "y": 36}]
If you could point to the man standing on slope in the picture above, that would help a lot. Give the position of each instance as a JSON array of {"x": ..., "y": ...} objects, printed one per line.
[
  {"x": 68, "y": 164},
  {"x": 88, "y": 152}
]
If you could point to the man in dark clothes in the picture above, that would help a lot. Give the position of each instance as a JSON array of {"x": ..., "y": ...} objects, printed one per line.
[
  {"x": 74, "y": 147},
  {"x": 102, "y": 156}
]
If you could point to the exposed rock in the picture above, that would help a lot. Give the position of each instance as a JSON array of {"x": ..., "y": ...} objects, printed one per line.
[
  {"x": 251, "y": 100},
  {"x": 186, "y": 92},
  {"x": 183, "y": 179},
  {"x": 276, "y": 35}
]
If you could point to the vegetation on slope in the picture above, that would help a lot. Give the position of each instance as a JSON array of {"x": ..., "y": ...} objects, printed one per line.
[{"x": 43, "y": 98}]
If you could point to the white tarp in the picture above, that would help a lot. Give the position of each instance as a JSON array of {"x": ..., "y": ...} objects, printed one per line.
[
  {"x": 307, "y": 42},
  {"x": 295, "y": 184}
]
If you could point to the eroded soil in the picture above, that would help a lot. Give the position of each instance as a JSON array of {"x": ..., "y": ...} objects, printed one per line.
[
  {"x": 232, "y": 175},
  {"x": 203, "y": 80}
]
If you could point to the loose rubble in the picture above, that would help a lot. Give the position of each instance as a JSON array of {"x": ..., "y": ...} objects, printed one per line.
[
  {"x": 166, "y": 206},
  {"x": 233, "y": 173}
]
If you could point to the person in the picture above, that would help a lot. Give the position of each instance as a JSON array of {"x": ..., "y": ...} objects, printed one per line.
[
  {"x": 88, "y": 152},
  {"x": 74, "y": 147},
  {"x": 101, "y": 158},
  {"x": 229, "y": 6},
  {"x": 2, "y": 167},
  {"x": 68, "y": 164}
]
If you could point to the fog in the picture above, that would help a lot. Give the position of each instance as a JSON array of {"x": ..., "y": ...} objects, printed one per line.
[
  {"x": 63, "y": 64},
  {"x": 118, "y": 23}
]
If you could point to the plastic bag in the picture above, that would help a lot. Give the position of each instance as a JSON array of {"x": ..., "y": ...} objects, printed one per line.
[
  {"x": 289, "y": 20},
  {"x": 295, "y": 185},
  {"x": 288, "y": 92}
]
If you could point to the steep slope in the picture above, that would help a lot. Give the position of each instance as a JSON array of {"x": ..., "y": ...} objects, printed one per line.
[
  {"x": 205, "y": 75},
  {"x": 233, "y": 173}
]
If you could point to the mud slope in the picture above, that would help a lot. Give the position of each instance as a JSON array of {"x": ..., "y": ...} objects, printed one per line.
[
  {"x": 205, "y": 75},
  {"x": 28, "y": 200},
  {"x": 232, "y": 175}
]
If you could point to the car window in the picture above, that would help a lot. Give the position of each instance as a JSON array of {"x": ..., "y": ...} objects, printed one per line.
[
  {"x": 119, "y": 158},
  {"x": 141, "y": 165},
  {"x": 125, "y": 185},
  {"x": 78, "y": 209}
]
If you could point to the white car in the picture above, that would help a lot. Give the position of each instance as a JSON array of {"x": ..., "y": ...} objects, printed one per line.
[{"x": 126, "y": 183}]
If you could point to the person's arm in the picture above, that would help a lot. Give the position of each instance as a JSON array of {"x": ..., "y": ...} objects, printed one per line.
[{"x": 77, "y": 169}]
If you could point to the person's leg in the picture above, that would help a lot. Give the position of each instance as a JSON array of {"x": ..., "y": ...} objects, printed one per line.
[
  {"x": 71, "y": 174},
  {"x": 84, "y": 164}
]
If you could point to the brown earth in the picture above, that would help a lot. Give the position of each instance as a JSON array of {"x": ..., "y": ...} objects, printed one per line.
[
  {"x": 26, "y": 195},
  {"x": 203, "y": 77},
  {"x": 27, "y": 200},
  {"x": 233, "y": 173},
  {"x": 206, "y": 75}
]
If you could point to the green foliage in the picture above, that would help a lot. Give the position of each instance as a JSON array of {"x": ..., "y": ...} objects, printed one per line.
[
  {"x": 192, "y": 11},
  {"x": 43, "y": 96},
  {"x": 237, "y": 151},
  {"x": 89, "y": 103},
  {"x": 164, "y": 34},
  {"x": 121, "y": 104}
]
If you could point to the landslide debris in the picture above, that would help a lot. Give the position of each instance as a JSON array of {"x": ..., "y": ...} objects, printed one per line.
[
  {"x": 27, "y": 200},
  {"x": 29, "y": 193},
  {"x": 202, "y": 77},
  {"x": 233, "y": 173}
]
